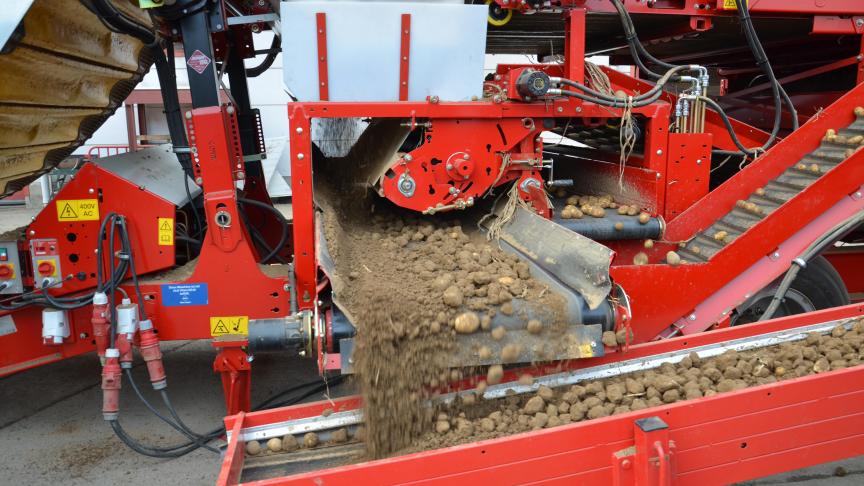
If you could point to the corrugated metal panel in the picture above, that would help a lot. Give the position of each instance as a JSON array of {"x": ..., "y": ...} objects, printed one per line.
[{"x": 66, "y": 76}]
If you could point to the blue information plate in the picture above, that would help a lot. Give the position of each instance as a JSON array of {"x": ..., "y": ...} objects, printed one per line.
[{"x": 174, "y": 295}]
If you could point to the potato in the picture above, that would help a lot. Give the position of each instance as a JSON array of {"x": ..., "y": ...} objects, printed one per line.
[
  {"x": 274, "y": 444},
  {"x": 640, "y": 258},
  {"x": 467, "y": 323},
  {"x": 673, "y": 259}
]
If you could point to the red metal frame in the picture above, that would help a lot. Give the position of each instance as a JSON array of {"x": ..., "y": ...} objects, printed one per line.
[{"x": 725, "y": 438}]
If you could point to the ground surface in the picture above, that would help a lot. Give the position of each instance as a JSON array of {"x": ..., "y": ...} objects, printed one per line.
[{"x": 52, "y": 432}]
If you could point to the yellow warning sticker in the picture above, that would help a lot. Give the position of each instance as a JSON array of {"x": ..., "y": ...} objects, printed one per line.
[
  {"x": 220, "y": 326},
  {"x": 731, "y": 5},
  {"x": 77, "y": 210},
  {"x": 166, "y": 231}
]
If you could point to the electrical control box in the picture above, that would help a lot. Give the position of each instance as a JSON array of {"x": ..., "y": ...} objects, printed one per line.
[
  {"x": 46, "y": 263},
  {"x": 10, "y": 268}
]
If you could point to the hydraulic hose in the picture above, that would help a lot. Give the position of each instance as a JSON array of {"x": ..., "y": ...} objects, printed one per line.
[
  {"x": 658, "y": 87},
  {"x": 811, "y": 251},
  {"x": 283, "y": 239}
]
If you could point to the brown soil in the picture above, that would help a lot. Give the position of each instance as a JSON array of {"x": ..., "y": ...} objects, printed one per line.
[
  {"x": 690, "y": 379},
  {"x": 403, "y": 280}
]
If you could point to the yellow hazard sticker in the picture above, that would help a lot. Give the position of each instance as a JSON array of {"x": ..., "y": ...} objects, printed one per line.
[
  {"x": 731, "y": 4},
  {"x": 586, "y": 350},
  {"x": 166, "y": 231},
  {"x": 220, "y": 326},
  {"x": 77, "y": 210}
]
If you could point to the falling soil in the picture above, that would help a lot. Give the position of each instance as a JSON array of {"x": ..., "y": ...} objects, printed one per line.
[{"x": 410, "y": 285}]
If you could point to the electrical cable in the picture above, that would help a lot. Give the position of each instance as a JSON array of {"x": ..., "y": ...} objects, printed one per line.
[{"x": 175, "y": 425}]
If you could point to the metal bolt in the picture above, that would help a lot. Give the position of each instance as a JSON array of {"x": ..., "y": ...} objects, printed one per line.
[
  {"x": 434, "y": 99},
  {"x": 241, "y": 176},
  {"x": 578, "y": 109},
  {"x": 625, "y": 464},
  {"x": 91, "y": 190},
  {"x": 497, "y": 77},
  {"x": 659, "y": 151},
  {"x": 300, "y": 156},
  {"x": 449, "y": 167},
  {"x": 859, "y": 22},
  {"x": 286, "y": 287},
  {"x": 856, "y": 195},
  {"x": 691, "y": 317},
  {"x": 188, "y": 115},
  {"x": 658, "y": 175},
  {"x": 32, "y": 232},
  {"x": 559, "y": 109},
  {"x": 775, "y": 255},
  {"x": 218, "y": 26},
  {"x": 230, "y": 109},
  {"x": 698, "y": 161},
  {"x": 408, "y": 158},
  {"x": 467, "y": 157},
  {"x": 250, "y": 358},
  {"x": 593, "y": 344},
  {"x": 299, "y": 130},
  {"x": 199, "y": 181}
]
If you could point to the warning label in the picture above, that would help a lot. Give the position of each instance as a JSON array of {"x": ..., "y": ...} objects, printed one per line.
[
  {"x": 166, "y": 231},
  {"x": 220, "y": 326},
  {"x": 731, "y": 4},
  {"x": 77, "y": 210},
  {"x": 198, "y": 61}
]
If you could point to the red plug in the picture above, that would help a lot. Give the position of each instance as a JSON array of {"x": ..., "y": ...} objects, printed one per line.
[
  {"x": 124, "y": 346},
  {"x": 152, "y": 354},
  {"x": 111, "y": 376},
  {"x": 99, "y": 321}
]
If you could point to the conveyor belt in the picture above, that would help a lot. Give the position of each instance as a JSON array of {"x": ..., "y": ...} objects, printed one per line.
[{"x": 747, "y": 213}]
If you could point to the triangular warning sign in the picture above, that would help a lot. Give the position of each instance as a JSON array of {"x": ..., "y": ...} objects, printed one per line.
[
  {"x": 166, "y": 226},
  {"x": 67, "y": 212},
  {"x": 220, "y": 328}
]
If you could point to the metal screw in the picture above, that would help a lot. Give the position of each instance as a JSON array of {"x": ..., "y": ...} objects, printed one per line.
[
  {"x": 593, "y": 344},
  {"x": 250, "y": 358},
  {"x": 188, "y": 115},
  {"x": 32, "y": 232},
  {"x": 691, "y": 317},
  {"x": 299, "y": 130},
  {"x": 199, "y": 181},
  {"x": 559, "y": 109},
  {"x": 408, "y": 158},
  {"x": 578, "y": 109},
  {"x": 698, "y": 161},
  {"x": 434, "y": 99},
  {"x": 218, "y": 26},
  {"x": 300, "y": 156},
  {"x": 91, "y": 190},
  {"x": 625, "y": 464},
  {"x": 659, "y": 151},
  {"x": 497, "y": 77},
  {"x": 286, "y": 287},
  {"x": 466, "y": 157},
  {"x": 449, "y": 167},
  {"x": 859, "y": 22},
  {"x": 230, "y": 109}
]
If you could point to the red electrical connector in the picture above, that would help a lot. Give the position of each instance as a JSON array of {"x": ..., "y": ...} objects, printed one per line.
[
  {"x": 99, "y": 320},
  {"x": 152, "y": 354},
  {"x": 111, "y": 376}
]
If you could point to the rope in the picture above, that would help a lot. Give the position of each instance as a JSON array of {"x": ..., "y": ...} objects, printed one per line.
[
  {"x": 626, "y": 133},
  {"x": 626, "y": 140},
  {"x": 505, "y": 215}
]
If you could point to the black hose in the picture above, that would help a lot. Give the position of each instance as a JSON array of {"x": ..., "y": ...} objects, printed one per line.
[
  {"x": 618, "y": 103},
  {"x": 197, "y": 439},
  {"x": 658, "y": 87},
  {"x": 636, "y": 48},
  {"x": 121, "y": 22},
  {"x": 256, "y": 71},
  {"x": 283, "y": 239}
]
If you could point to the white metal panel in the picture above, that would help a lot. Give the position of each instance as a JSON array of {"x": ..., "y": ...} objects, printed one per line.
[{"x": 447, "y": 51}]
